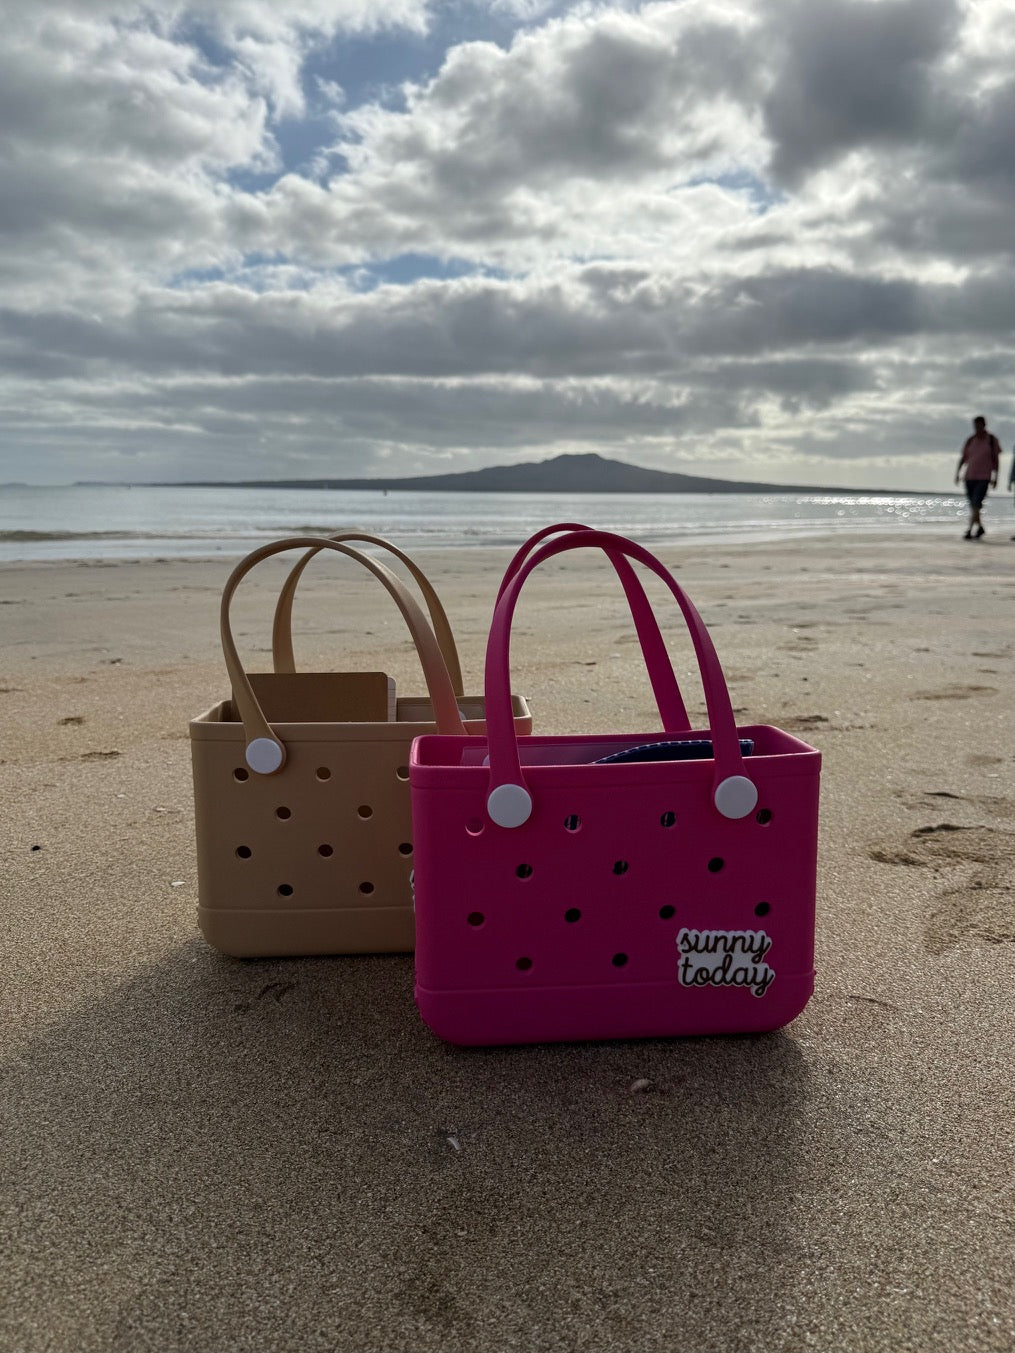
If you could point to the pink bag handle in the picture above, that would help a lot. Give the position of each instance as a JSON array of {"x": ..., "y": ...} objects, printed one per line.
[
  {"x": 265, "y": 753},
  {"x": 509, "y": 802},
  {"x": 660, "y": 670},
  {"x": 282, "y": 632}
]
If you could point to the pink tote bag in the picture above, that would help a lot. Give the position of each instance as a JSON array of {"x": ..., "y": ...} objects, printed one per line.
[{"x": 561, "y": 894}]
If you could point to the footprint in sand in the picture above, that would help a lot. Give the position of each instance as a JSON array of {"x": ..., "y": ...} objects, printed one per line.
[
  {"x": 945, "y": 843},
  {"x": 990, "y": 805},
  {"x": 981, "y": 907},
  {"x": 982, "y": 759},
  {"x": 978, "y": 912},
  {"x": 921, "y": 800},
  {"x": 800, "y": 723},
  {"x": 954, "y": 693}
]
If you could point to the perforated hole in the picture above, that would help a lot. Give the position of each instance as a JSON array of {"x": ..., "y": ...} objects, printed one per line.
[
  {"x": 572, "y": 822},
  {"x": 402, "y": 773},
  {"x": 285, "y": 890},
  {"x": 474, "y": 826},
  {"x": 476, "y": 918},
  {"x": 572, "y": 914},
  {"x": 283, "y": 813},
  {"x": 619, "y": 960},
  {"x": 523, "y": 964},
  {"x": 244, "y": 852},
  {"x": 764, "y": 816},
  {"x": 325, "y": 850},
  {"x": 762, "y": 909},
  {"x": 405, "y": 848},
  {"x": 620, "y": 866},
  {"x": 323, "y": 773},
  {"x": 524, "y": 871},
  {"x": 715, "y": 864},
  {"x": 667, "y": 912},
  {"x": 365, "y": 811},
  {"x": 241, "y": 773},
  {"x": 366, "y": 887},
  {"x": 668, "y": 820}
]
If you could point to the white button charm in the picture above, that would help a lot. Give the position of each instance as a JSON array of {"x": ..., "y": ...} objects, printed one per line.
[
  {"x": 509, "y": 805},
  {"x": 264, "y": 755},
  {"x": 736, "y": 796}
]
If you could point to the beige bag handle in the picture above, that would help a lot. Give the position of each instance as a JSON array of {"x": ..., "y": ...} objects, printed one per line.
[
  {"x": 264, "y": 752},
  {"x": 282, "y": 628}
]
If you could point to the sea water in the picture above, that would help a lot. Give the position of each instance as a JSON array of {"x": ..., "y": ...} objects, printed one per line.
[{"x": 121, "y": 522}]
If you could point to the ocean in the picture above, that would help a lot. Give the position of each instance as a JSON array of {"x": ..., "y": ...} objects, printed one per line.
[{"x": 143, "y": 522}]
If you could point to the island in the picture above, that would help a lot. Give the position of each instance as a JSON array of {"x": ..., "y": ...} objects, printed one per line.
[{"x": 588, "y": 473}]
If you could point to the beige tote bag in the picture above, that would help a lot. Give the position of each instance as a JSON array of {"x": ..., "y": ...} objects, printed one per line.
[{"x": 301, "y": 795}]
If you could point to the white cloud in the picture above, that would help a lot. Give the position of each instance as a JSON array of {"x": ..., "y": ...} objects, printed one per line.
[{"x": 508, "y": 153}]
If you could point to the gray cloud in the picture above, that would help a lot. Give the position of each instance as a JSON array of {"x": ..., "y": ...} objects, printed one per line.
[
  {"x": 578, "y": 323},
  {"x": 854, "y": 74},
  {"x": 209, "y": 428},
  {"x": 805, "y": 307},
  {"x": 982, "y": 152}
]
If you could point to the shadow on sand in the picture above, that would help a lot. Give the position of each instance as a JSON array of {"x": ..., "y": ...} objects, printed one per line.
[{"x": 227, "y": 1155}]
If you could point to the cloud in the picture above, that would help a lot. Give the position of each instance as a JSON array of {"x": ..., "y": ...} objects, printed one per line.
[
  {"x": 589, "y": 323},
  {"x": 597, "y": 357},
  {"x": 505, "y": 150},
  {"x": 765, "y": 230},
  {"x": 124, "y": 125},
  {"x": 848, "y": 74}
]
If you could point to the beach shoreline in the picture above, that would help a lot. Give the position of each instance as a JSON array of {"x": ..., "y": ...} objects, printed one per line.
[
  {"x": 109, "y": 523},
  {"x": 278, "y": 1153}
]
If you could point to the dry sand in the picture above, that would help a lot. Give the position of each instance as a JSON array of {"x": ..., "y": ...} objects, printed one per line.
[{"x": 206, "y": 1154}]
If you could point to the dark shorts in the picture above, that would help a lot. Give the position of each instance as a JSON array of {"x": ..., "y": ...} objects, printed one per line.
[{"x": 976, "y": 491}]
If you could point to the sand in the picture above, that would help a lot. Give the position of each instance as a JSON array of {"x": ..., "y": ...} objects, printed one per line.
[{"x": 205, "y": 1154}]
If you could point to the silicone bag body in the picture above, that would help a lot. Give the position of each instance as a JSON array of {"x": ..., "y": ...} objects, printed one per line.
[
  {"x": 634, "y": 899},
  {"x": 317, "y": 857},
  {"x": 567, "y": 927}
]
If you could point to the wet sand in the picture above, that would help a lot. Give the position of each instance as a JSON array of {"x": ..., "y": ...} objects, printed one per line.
[{"x": 205, "y": 1154}]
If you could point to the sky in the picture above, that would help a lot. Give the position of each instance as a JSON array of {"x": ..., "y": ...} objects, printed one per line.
[{"x": 770, "y": 240}]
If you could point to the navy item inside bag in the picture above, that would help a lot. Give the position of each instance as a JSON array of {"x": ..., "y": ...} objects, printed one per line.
[{"x": 689, "y": 749}]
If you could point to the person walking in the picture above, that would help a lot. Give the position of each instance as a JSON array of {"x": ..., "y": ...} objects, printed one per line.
[
  {"x": 981, "y": 457},
  {"x": 1011, "y": 475}
]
